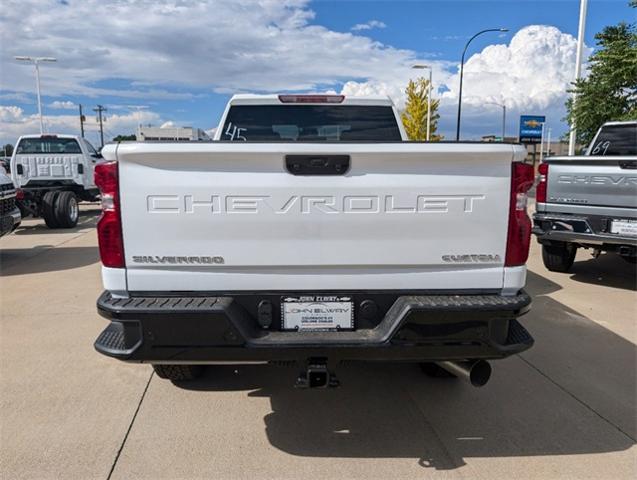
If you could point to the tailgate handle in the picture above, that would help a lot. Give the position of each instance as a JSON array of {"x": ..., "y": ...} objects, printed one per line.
[{"x": 317, "y": 164}]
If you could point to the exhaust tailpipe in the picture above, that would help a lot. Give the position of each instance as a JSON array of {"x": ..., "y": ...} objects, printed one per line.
[{"x": 477, "y": 372}]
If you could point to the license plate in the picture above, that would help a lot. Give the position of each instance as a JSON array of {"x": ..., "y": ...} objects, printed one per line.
[
  {"x": 318, "y": 313},
  {"x": 624, "y": 227}
]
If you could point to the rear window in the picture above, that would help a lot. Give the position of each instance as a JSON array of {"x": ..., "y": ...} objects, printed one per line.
[
  {"x": 48, "y": 145},
  {"x": 310, "y": 123},
  {"x": 616, "y": 140}
]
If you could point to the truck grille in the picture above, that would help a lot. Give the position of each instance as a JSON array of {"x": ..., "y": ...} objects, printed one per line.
[{"x": 7, "y": 199}]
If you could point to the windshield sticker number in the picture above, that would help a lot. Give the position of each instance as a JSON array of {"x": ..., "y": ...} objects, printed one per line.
[
  {"x": 235, "y": 133},
  {"x": 601, "y": 148}
]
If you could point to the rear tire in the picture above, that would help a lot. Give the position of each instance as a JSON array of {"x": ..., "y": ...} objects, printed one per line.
[
  {"x": 178, "y": 373},
  {"x": 435, "y": 371},
  {"x": 48, "y": 209},
  {"x": 67, "y": 211},
  {"x": 24, "y": 213},
  {"x": 559, "y": 256}
]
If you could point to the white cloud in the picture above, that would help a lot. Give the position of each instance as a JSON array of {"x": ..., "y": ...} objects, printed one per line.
[
  {"x": 158, "y": 48},
  {"x": 14, "y": 122},
  {"x": 368, "y": 25},
  {"x": 62, "y": 105},
  {"x": 395, "y": 90},
  {"x": 393, "y": 83},
  {"x": 10, "y": 114},
  {"x": 533, "y": 71},
  {"x": 447, "y": 38},
  {"x": 168, "y": 124},
  {"x": 174, "y": 50},
  {"x": 529, "y": 75},
  {"x": 16, "y": 97}
]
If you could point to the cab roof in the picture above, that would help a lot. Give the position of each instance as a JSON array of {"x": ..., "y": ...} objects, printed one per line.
[
  {"x": 623, "y": 122},
  {"x": 50, "y": 135},
  {"x": 313, "y": 99}
]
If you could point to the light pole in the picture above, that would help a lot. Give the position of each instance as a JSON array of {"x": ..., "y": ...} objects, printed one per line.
[
  {"x": 36, "y": 61},
  {"x": 462, "y": 71},
  {"x": 504, "y": 116},
  {"x": 428, "y": 67},
  {"x": 578, "y": 67}
]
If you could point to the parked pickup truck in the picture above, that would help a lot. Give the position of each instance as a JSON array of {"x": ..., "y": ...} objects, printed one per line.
[
  {"x": 590, "y": 201},
  {"x": 53, "y": 173},
  {"x": 310, "y": 231}
]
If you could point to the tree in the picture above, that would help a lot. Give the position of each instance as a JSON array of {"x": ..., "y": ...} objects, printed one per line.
[
  {"x": 609, "y": 92},
  {"x": 125, "y": 138},
  {"x": 414, "y": 116},
  {"x": 7, "y": 150}
]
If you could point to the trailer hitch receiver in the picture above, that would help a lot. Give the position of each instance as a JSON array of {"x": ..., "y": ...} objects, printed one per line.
[{"x": 316, "y": 375}]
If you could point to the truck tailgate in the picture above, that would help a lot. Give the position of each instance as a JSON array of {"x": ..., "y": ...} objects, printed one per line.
[
  {"x": 592, "y": 182},
  {"x": 48, "y": 167},
  {"x": 230, "y": 217}
]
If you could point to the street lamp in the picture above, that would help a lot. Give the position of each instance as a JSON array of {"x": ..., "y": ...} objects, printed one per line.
[
  {"x": 504, "y": 116},
  {"x": 427, "y": 67},
  {"x": 36, "y": 61},
  {"x": 572, "y": 137},
  {"x": 462, "y": 71}
]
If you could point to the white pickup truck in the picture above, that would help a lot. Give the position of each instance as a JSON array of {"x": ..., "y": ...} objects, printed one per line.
[
  {"x": 311, "y": 231},
  {"x": 53, "y": 173},
  {"x": 590, "y": 201}
]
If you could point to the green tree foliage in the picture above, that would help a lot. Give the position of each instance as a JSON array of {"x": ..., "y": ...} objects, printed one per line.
[
  {"x": 7, "y": 150},
  {"x": 414, "y": 116},
  {"x": 125, "y": 138},
  {"x": 609, "y": 92}
]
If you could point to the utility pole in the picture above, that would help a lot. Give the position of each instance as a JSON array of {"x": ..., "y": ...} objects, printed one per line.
[
  {"x": 82, "y": 120},
  {"x": 36, "y": 61},
  {"x": 578, "y": 68},
  {"x": 99, "y": 109}
]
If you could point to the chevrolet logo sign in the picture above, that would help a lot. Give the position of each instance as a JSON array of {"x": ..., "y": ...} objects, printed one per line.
[{"x": 532, "y": 123}]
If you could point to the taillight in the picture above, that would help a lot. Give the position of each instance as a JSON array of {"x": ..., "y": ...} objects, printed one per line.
[
  {"x": 540, "y": 191},
  {"x": 109, "y": 225},
  {"x": 519, "y": 235},
  {"x": 19, "y": 194}
]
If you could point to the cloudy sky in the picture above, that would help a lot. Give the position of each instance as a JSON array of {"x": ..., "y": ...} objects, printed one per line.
[{"x": 177, "y": 62}]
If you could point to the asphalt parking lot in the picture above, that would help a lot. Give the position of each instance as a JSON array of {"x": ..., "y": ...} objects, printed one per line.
[{"x": 564, "y": 409}]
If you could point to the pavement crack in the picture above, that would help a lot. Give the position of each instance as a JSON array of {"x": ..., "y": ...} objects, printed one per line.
[
  {"x": 577, "y": 399},
  {"x": 130, "y": 426}
]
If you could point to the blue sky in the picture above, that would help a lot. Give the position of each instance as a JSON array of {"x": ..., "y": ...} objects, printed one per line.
[{"x": 163, "y": 64}]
